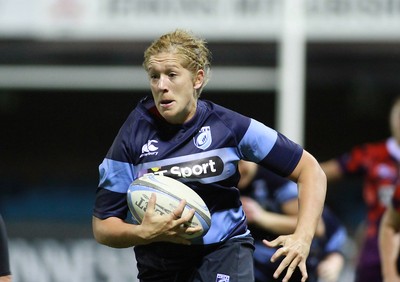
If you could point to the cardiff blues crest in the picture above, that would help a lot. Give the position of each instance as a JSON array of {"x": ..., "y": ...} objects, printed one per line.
[{"x": 203, "y": 139}]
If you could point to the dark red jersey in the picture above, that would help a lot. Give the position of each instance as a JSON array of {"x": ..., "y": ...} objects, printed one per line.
[{"x": 378, "y": 164}]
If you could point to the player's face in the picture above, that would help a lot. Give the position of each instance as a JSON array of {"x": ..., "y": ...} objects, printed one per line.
[
  {"x": 173, "y": 87},
  {"x": 395, "y": 121}
]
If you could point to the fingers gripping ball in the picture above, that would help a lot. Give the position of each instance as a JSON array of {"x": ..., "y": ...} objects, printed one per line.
[{"x": 169, "y": 192}]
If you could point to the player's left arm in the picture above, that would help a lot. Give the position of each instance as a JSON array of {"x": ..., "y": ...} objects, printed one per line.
[{"x": 311, "y": 182}]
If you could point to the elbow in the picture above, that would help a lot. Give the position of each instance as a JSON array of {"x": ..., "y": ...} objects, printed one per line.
[
  {"x": 99, "y": 239},
  {"x": 320, "y": 175},
  {"x": 323, "y": 177},
  {"x": 323, "y": 183},
  {"x": 111, "y": 232},
  {"x": 98, "y": 235}
]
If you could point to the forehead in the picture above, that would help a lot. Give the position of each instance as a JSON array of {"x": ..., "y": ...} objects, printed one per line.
[{"x": 165, "y": 60}]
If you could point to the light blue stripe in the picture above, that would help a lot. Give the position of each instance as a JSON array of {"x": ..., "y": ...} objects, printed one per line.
[
  {"x": 258, "y": 141},
  {"x": 115, "y": 176},
  {"x": 222, "y": 224}
]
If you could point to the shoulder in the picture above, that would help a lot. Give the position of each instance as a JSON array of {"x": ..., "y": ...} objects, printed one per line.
[
  {"x": 144, "y": 109},
  {"x": 129, "y": 136},
  {"x": 220, "y": 110},
  {"x": 141, "y": 116},
  {"x": 233, "y": 121}
]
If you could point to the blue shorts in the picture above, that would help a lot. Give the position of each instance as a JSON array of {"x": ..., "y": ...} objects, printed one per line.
[{"x": 230, "y": 261}]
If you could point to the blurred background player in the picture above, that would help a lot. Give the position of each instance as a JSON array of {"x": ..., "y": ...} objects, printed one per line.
[
  {"x": 270, "y": 204},
  {"x": 5, "y": 271},
  {"x": 378, "y": 164},
  {"x": 388, "y": 240}
]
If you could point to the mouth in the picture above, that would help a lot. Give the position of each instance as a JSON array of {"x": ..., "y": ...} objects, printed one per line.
[{"x": 166, "y": 103}]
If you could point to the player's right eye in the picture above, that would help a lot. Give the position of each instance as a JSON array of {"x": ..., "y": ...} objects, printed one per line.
[{"x": 154, "y": 76}]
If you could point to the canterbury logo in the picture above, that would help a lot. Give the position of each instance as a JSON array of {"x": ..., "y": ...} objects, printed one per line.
[{"x": 149, "y": 149}]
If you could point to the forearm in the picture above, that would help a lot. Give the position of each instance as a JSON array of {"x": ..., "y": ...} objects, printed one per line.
[
  {"x": 311, "y": 201},
  {"x": 116, "y": 233},
  {"x": 312, "y": 191}
]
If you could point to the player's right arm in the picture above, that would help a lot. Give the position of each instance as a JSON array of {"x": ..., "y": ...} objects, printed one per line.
[{"x": 115, "y": 232}]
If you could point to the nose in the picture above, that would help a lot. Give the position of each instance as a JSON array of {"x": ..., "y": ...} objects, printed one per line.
[{"x": 162, "y": 83}]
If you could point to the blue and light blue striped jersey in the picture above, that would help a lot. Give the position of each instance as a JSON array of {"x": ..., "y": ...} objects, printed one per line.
[{"x": 203, "y": 153}]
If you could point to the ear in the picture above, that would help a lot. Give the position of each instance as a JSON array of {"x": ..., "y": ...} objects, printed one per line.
[{"x": 198, "y": 79}]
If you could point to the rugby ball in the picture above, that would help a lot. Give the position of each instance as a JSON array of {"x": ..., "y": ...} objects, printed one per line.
[{"x": 169, "y": 192}]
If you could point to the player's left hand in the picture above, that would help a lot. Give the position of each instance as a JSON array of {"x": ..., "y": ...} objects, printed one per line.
[{"x": 295, "y": 249}]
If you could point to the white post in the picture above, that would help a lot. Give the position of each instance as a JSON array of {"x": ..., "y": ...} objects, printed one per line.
[{"x": 291, "y": 66}]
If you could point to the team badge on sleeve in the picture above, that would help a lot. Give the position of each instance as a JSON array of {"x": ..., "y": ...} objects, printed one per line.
[{"x": 203, "y": 139}]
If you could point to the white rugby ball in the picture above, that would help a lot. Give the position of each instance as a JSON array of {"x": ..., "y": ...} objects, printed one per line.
[{"x": 169, "y": 192}]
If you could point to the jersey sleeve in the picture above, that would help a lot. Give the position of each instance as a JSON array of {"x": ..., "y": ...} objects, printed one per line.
[
  {"x": 110, "y": 204},
  {"x": 270, "y": 149},
  {"x": 115, "y": 174}
]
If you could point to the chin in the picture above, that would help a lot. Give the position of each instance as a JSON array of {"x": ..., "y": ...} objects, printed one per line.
[{"x": 170, "y": 118}]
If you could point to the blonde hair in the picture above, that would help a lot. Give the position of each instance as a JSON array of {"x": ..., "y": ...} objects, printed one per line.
[{"x": 193, "y": 51}]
